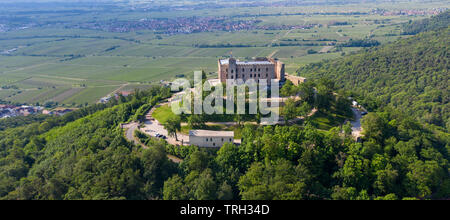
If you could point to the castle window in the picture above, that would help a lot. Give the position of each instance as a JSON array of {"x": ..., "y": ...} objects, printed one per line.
[
  {"x": 259, "y": 75},
  {"x": 232, "y": 71},
  {"x": 222, "y": 139},
  {"x": 243, "y": 70},
  {"x": 230, "y": 139},
  {"x": 232, "y": 77},
  {"x": 267, "y": 69},
  {"x": 227, "y": 70},
  {"x": 206, "y": 139},
  {"x": 251, "y": 70},
  {"x": 259, "y": 70},
  {"x": 214, "y": 144}
]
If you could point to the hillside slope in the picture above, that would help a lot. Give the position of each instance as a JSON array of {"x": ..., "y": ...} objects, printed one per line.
[
  {"x": 410, "y": 75},
  {"x": 430, "y": 24}
]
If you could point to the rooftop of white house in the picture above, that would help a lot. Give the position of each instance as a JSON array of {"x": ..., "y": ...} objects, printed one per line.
[{"x": 206, "y": 133}]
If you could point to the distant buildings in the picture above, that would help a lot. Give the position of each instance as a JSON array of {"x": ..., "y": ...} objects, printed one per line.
[
  {"x": 210, "y": 139},
  {"x": 7, "y": 111},
  {"x": 106, "y": 99},
  {"x": 179, "y": 25},
  {"x": 58, "y": 111}
]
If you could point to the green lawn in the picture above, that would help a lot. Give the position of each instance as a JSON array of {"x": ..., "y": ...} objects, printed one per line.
[
  {"x": 326, "y": 121},
  {"x": 163, "y": 113}
]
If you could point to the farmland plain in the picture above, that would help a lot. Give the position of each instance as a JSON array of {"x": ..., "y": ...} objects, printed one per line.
[{"x": 56, "y": 60}]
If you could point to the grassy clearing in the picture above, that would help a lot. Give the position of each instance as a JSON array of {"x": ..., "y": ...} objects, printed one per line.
[
  {"x": 163, "y": 113},
  {"x": 325, "y": 121}
]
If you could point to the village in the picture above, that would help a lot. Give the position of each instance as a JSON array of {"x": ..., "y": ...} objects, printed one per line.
[{"x": 9, "y": 111}]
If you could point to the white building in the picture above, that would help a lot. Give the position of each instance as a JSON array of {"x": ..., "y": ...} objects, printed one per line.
[{"x": 212, "y": 139}]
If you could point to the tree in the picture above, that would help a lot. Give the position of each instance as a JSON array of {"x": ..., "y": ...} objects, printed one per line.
[
  {"x": 231, "y": 163},
  {"x": 289, "y": 111},
  {"x": 289, "y": 89},
  {"x": 272, "y": 181},
  {"x": 325, "y": 95},
  {"x": 196, "y": 121},
  {"x": 347, "y": 128},
  {"x": 355, "y": 172},
  {"x": 156, "y": 169},
  {"x": 374, "y": 127},
  {"x": 386, "y": 180},
  {"x": 225, "y": 192},
  {"x": 173, "y": 125},
  {"x": 304, "y": 110},
  {"x": 423, "y": 178},
  {"x": 307, "y": 92},
  {"x": 238, "y": 118},
  {"x": 175, "y": 189},
  {"x": 203, "y": 186},
  {"x": 198, "y": 161}
]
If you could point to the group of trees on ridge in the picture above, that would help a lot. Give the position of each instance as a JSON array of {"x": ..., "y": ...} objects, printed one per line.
[
  {"x": 409, "y": 75},
  {"x": 88, "y": 158}
]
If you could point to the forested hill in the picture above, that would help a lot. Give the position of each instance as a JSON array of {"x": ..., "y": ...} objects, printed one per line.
[
  {"x": 84, "y": 155},
  {"x": 431, "y": 24},
  {"x": 410, "y": 75}
]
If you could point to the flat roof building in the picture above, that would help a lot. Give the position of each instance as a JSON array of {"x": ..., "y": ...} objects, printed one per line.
[{"x": 211, "y": 139}]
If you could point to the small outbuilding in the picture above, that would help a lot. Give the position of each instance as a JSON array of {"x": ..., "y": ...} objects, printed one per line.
[{"x": 211, "y": 139}]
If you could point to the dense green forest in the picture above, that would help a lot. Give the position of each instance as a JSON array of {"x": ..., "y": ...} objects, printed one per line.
[
  {"x": 411, "y": 75},
  {"x": 82, "y": 155},
  {"x": 85, "y": 156}
]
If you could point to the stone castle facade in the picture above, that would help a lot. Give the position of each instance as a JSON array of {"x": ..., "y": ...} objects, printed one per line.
[{"x": 260, "y": 68}]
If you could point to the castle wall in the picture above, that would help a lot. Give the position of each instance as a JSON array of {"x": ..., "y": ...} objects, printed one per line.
[{"x": 262, "y": 68}]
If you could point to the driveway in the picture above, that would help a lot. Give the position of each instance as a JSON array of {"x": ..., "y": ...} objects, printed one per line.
[
  {"x": 356, "y": 124},
  {"x": 129, "y": 133},
  {"x": 153, "y": 127}
]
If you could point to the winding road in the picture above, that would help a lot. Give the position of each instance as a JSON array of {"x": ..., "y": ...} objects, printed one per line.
[
  {"x": 356, "y": 124},
  {"x": 129, "y": 134}
]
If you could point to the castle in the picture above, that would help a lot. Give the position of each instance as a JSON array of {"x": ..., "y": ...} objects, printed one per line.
[{"x": 260, "y": 68}]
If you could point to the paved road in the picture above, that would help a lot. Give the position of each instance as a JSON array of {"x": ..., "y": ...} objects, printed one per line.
[
  {"x": 356, "y": 124},
  {"x": 153, "y": 127},
  {"x": 129, "y": 134}
]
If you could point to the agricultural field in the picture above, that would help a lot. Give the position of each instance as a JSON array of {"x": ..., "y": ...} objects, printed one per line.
[{"x": 74, "y": 60}]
